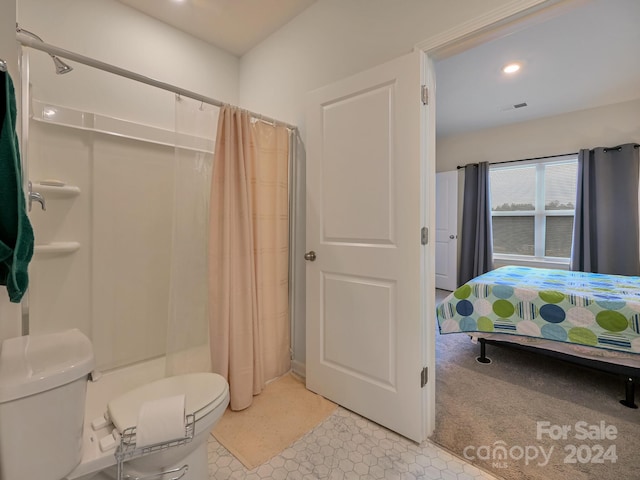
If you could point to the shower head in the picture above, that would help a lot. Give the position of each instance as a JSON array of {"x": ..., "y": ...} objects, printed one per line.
[{"x": 61, "y": 67}]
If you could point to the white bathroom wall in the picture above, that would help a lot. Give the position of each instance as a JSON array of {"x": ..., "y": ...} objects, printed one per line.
[
  {"x": 603, "y": 126},
  {"x": 333, "y": 39},
  {"x": 117, "y": 34},
  {"x": 8, "y": 47}
]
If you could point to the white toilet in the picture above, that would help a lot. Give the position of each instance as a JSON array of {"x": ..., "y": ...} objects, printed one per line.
[{"x": 43, "y": 433}]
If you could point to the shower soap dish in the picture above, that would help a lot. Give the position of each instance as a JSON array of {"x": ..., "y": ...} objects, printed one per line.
[
  {"x": 52, "y": 183},
  {"x": 55, "y": 188}
]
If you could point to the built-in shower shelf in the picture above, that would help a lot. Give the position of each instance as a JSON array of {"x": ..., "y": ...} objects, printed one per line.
[
  {"x": 57, "y": 191},
  {"x": 57, "y": 248},
  {"x": 47, "y": 113}
]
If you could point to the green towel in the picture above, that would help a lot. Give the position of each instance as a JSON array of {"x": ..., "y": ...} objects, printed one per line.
[{"x": 16, "y": 234}]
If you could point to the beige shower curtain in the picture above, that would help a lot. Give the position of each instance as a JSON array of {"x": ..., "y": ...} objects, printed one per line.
[{"x": 248, "y": 254}]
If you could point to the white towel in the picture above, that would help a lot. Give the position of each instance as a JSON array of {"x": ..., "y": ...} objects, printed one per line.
[{"x": 160, "y": 421}]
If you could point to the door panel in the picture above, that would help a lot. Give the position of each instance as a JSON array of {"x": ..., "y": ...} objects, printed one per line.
[
  {"x": 364, "y": 318},
  {"x": 357, "y": 151},
  {"x": 361, "y": 308}
]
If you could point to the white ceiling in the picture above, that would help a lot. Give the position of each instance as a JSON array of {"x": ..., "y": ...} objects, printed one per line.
[
  {"x": 235, "y": 26},
  {"x": 586, "y": 58}
]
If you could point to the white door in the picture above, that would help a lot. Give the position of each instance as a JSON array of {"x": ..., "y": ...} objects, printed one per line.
[
  {"x": 447, "y": 230},
  {"x": 365, "y": 324}
]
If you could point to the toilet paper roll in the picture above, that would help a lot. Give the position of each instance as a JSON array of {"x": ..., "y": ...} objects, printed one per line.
[{"x": 160, "y": 421}]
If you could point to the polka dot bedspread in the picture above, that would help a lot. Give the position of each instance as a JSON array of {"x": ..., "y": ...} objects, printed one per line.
[{"x": 595, "y": 310}]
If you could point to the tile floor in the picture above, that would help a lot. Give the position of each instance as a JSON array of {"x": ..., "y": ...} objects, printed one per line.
[{"x": 348, "y": 447}]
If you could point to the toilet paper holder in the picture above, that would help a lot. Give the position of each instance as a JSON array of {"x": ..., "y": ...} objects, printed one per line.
[{"x": 127, "y": 449}]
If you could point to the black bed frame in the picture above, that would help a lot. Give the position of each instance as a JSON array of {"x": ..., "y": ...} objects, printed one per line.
[{"x": 630, "y": 374}]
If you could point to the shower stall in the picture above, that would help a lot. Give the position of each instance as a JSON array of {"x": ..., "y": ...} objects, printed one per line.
[{"x": 119, "y": 205}]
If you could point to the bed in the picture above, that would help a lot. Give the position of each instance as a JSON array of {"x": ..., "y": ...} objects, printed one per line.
[{"x": 590, "y": 319}]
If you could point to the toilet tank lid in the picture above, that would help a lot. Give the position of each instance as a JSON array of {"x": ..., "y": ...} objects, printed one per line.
[
  {"x": 33, "y": 364},
  {"x": 203, "y": 392}
]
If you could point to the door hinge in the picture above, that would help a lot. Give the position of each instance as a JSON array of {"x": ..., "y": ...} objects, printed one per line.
[
  {"x": 424, "y": 95},
  {"x": 424, "y": 235},
  {"x": 424, "y": 377}
]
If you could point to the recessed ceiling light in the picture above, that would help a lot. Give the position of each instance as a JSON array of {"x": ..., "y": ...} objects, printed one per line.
[{"x": 511, "y": 68}]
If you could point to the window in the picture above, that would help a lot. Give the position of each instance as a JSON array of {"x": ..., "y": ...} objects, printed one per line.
[{"x": 532, "y": 208}]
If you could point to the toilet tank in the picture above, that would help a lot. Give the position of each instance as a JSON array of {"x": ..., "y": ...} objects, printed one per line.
[{"x": 43, "y": 382}]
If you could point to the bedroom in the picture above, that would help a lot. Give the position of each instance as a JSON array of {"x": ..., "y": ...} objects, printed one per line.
[{"x": 608, "y": 124}]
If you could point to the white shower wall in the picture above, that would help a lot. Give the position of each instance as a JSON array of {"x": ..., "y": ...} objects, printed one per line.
[
  {"x": 131, "y": 239},
  {"x": 115, "y": 287},
  {"x": 112, "y": 32},
  {"x": 59, "y": 292}
]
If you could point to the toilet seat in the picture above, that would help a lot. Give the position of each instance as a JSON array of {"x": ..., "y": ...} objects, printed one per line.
[{"x": 203, "y": 393}]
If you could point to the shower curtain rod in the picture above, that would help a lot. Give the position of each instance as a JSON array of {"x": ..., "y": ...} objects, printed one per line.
[{"x": 106, "y": 67}]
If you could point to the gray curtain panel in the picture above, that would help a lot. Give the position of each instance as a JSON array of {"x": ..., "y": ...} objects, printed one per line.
[
  {"x": 476, "y": 256},
  {"x": 605, "y": 229}
]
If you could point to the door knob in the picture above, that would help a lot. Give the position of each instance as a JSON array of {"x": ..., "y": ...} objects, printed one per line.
[
  {"x": 311, "y": 256},
  {"x": 452, "y": 237}
]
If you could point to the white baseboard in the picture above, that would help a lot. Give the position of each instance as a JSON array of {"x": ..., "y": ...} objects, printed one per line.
[{"x": 299, "y": 368}]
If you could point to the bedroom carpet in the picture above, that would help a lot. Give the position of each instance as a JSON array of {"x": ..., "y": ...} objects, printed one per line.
[
  {"x": 481, "y": 407},
  {"x": 280, "y": 415}
]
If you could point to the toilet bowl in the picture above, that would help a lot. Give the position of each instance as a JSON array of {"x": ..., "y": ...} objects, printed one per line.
[{"x": 78, "y": 449}]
